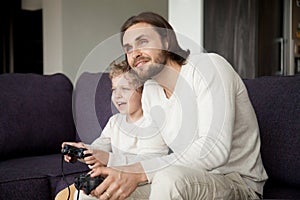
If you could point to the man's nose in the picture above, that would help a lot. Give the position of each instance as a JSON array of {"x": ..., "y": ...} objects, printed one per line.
[{"x": 136, "y": 53}]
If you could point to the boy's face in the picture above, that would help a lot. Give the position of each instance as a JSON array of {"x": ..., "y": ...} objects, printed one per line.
[
  {"x": 144, "y": 50},
  {"x": 124, "y": 96}
]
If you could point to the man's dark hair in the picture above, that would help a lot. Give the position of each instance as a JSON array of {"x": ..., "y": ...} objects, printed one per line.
[{"x": 164, "y": 29}]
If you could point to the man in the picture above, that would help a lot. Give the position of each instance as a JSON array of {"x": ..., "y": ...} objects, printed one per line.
[{"x": 206, "y": 118}]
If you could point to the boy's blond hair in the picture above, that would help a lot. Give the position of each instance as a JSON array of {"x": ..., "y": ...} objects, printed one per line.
[{"x": 117, "y": 69}]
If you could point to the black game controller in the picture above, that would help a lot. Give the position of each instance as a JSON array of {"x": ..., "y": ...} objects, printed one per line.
[
  {"x": 74, "y": 152},
  {"x": 86, "y": 183}
]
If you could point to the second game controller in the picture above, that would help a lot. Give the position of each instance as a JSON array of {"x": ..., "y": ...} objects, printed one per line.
[{"x": 87, "y": 183}]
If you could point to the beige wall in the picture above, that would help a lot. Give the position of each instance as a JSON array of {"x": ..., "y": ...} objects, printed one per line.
[{"x": 72, "y": 28}]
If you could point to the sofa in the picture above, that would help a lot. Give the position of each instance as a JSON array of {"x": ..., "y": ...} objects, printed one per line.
[{"x": 39, "y": 112}]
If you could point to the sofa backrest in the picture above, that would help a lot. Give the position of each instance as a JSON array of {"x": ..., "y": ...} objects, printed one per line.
[
  {"x": 92, "y": 105},
  {"x": 276, "y": 101},
  {"x": 35, "y": 114}
]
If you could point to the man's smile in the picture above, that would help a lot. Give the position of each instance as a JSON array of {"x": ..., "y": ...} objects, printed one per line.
[{"x": 140, "y": 62}]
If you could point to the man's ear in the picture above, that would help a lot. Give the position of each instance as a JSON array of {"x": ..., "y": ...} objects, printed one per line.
[{"x": 165, "y": 44}]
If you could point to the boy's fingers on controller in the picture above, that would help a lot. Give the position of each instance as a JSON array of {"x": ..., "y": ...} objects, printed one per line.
[
  {"x": 89, "y": 159},
  {"x": 63, "y": 144},
  {"x": 87, "y": 153},
  {"x": 96, "y": 171},
  {"x": 91, "y": 166}
]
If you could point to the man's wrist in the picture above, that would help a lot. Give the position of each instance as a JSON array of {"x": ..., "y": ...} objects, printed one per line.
[
  {"x": 138, "y": 171},
  {"x": 142, "y": 177}
]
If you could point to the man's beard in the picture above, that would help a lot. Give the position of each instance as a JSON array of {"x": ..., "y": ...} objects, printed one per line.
[{"x": 151, "y": 70}]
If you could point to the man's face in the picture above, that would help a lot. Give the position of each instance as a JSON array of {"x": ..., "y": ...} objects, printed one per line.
[{"x": 144, "y": 50}]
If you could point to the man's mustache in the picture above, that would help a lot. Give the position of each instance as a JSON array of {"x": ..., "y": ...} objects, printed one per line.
[{"x": 142, "y": 58}]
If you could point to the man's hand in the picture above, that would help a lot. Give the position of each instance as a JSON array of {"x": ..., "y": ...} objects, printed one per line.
[{"x": 120, "y": 182}]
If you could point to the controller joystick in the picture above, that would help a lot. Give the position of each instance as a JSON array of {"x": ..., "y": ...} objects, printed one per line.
[
  {"x": 74, "y": 152},
  {"x": 86, "y": 183}
]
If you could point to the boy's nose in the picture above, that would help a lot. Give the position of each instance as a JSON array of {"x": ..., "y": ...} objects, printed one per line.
[{"x": 118, "y": 94}]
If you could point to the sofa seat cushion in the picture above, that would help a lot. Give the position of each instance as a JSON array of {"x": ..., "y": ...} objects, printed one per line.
[
  {"x": 275, "y": 190},
  {"x": 39, "y": 172},
  {"x": 28, "y": 189},
  {"x": 36, "y": 167}
]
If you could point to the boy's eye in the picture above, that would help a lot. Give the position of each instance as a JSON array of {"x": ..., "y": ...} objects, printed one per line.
[{"x": 126, "y": 88}]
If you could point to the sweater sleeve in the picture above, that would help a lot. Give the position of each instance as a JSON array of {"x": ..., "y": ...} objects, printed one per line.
[{"x": 147, "y": 148}]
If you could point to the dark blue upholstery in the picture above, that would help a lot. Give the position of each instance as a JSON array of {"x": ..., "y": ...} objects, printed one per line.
[
  {"x": 35, "y": 114},
  {"x": 35, "y": 118},
  {"x": 276, "y": 101},
  {"x": 92, "y": 105},
  {"x": 39, "y": 174}
]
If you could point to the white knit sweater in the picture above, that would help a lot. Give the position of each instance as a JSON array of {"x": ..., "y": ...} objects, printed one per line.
[{"x": 208, "y": 122}]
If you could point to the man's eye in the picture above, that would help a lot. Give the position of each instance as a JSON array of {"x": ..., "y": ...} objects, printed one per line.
[
  {"x": 143, "y": 42},
  {"x": 128, "y": 49}
]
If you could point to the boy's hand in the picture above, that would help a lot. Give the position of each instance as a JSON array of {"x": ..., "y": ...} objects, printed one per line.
[
  {"x": 99, "y": 158},
  {"x": 74, "y": 144}
]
